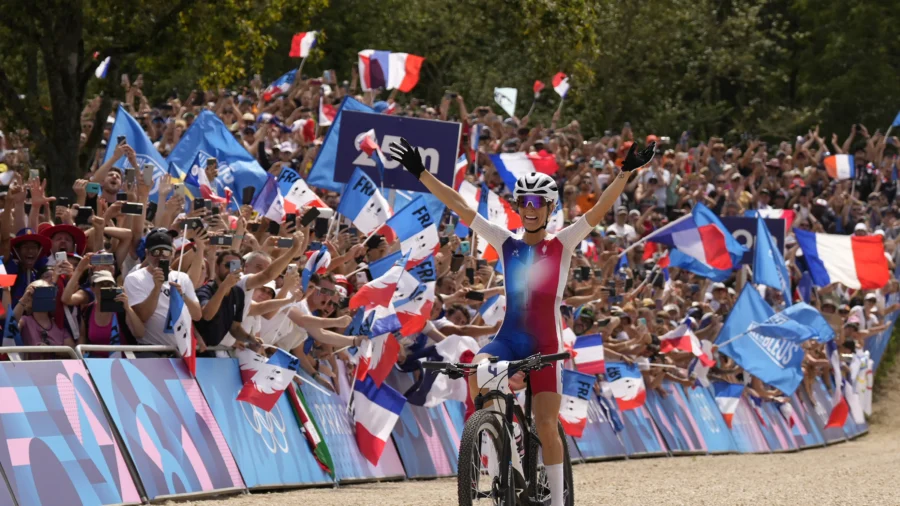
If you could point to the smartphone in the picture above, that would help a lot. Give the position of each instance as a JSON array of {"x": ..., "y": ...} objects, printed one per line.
[
  {"x": 193, "y": 223},
  {"x": 642, "y": 322},
  {"x": 353, "y": 232},
  {"x": 456, "y": 261},
  {"x": 207, "y": 203},
  {"x": 133, "y": 208},
  {"x": 221, "y": 240},
  {"x": 470, "y": 273},
  {"x": 108, "y": 302},
  {"x": 93, "y": 188},
  {"x": 598, "y": 273},
  {"x": 274, "y": 228},
  {"x": 585, "y": 273},
  {"x": 4, "y": 189},
  {"x": 164, "y": 265},
  {"x": 565, "y": 311},
  {"x": 121, "y": 196},
  {"x": 62, "y": 201},
  {"x": 577, "y": 275},
  {"x": 308, "y": 217},
  {"x": 444, "y": 241},
  {"x": 247, "y": 195},
  {"x": 234, "y": 265},
  {"x": 60, "y": 257},
  {"x": 121, "y": 140},
  {"x": 603, "y": 322},
  {"x": 477, "y": 296},
  {"x": 464, "y": 248},
  {"x": 148, "y": 173},
  {"x": 215, "y": 210},
  {"x": 290, "y": 219},
  {"x": 83, "y": 216},
  {"x": 34, "y": 175},
  {"x": 103, "y": 259},
  {"x": 291, "y": 268},
  {"x": 198, "y": 203},
  {"x": 479, "y": 263},
  {"x": 628, "y": 284},
  {"x": 253, "y": 227},
  {"x": 321, "y": 227},
  {"x": 130, "y": 176},
  {"x": 694, "y": 288},
  {"x": 44, "y": 299},
  {"x": 285, "y": 242}
]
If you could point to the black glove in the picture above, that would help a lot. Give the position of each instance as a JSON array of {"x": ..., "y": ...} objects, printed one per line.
[
  {"x": 637, "y": 160},
  {"x": 408, "y": 156}
]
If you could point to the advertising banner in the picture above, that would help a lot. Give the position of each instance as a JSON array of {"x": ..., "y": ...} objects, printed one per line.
[
  {"x": 680, "y": 419},
  {"x": 710, "y": 423},
  {"x": 268, "y": 447},
  {"x": 438, "y": 143},
  {"x": 744, "y": 230},
  {"x": 170, "y": 432},
  {"x": 745, "y": 430},
  {"x": 776, "y": 431},
  {"x": 58, "y": 447},
  {"x": 819, "y": 411},
  {"x": 600, "y": 440},
  {"x": 640, "y": 435}
]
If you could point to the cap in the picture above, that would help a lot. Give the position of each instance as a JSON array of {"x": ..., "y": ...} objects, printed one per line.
[
  {"x": 821, "y": 202},
  {"x": 670, "y": 307},
  {"x": 621, "y": 210},
  {"x": 871, "y": 296},
  {"x": 634, "y": 212},
  {"x": 160, "y": 238},
  {"x": 719, "y": 286},
  {"x": 271, "y": 286},
  {"x": 248, "y": 116},
  {"x": 860, "y": 226},
  {"x": 648, "y": 303},
  {"x": 102, "y": 276}
]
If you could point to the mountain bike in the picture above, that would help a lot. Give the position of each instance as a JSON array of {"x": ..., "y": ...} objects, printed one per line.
[{"x": 500, "y": 436}]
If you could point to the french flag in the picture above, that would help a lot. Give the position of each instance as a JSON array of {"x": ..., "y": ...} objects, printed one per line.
[
  {"x": 538, "y": 87},
  {"x": 561, "y": 84},
  {"x": 414, "y": 297},
  {"x": 840, "y": 166},
  {"x": 855, "y": 262},
  {"x": 626, "y": 384},
  {"x": 497, "y": 210},
  {"x": 364, "y": 205},
  {"x": 180, "y": 326},
  {"x": 417, "y": 230},
  {"x": 785, "y": 214},
  {"x": 249, "y": 363},
  {"x": 589, "y": 354},
  {"x": 197, "y": 177},
  {"x": 683, "y": 339},
  {"x": 790, "y": 416},
  {"x": 268, "y": 201},
  {"x": 302, "y": 43},
  {"x": 512, "y": 166},
  {"x": 576, "y": 390},
  {"x": 6, "y": 280},
  {"x": 103, "y": 68},
  {"x": 701, "y": 236},
  {"x": 327, "y": 113},
  {"x": 316, "y": 263},
  {"x": 728, "y": 396},
  {"x": 380, "y": 290},
  {"x": 306, "y": 127},
  {"x": 840, "y": 408},
  {"x": 280, "y": 85},
  {"x": 376, "y": 411},
  {"x": 380, "y": 355},
  {"x": 298, "y": 195},
  {"x": 368, "y": 144},
  {"x": 384, "y": 69},
  {"x": 493, "y": 310},
  {"x": 459, "y": 171},
  {"x": 270, "y": 381}
]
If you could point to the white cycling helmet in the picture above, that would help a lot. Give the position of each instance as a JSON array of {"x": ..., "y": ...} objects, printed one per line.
[{"x": 537, "y": 184}]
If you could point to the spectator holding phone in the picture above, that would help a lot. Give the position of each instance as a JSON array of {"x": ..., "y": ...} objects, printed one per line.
[
  {"x": 36, "y": 323},
  {"x": 101, "y": 326},
  {"x": 28, "y": 261},
  {"x": 223, "y": 302}
]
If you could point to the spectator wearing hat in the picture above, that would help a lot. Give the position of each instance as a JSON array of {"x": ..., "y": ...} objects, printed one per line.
[
  {"x": 28, "y": 260},
  {"x": 105, "y": 328},
  {"x": 621, "y": 228},
  {"x": 148, "y": 290}
]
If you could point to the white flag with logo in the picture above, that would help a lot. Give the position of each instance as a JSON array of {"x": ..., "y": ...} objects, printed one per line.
[{"x": 506, "y": 98}]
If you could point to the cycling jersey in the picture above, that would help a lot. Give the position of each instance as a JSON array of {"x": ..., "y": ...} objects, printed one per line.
[{"x": 534, "y": 278}]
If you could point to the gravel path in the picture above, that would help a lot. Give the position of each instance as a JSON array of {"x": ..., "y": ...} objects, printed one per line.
[{"x": 858, "y": 472}]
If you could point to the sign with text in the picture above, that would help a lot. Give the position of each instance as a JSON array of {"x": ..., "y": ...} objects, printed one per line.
[
  {"x": 744, "y": 230},
  {"x": 438, "y": 143}
]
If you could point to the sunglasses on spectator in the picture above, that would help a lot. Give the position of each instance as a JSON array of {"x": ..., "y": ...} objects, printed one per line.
[
  {"x": 327, "y": 291},
  {"x": 531, "y": 200},
  {"x": 161, "y": 252}
]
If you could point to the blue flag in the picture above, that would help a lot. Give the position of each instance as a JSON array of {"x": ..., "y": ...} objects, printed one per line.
[
  {"x": 402, "y": 198},
  {"x": 782, "y": 326},
  {"x": 805, "y": 287},
  {"x": 144, "y": 150},
  {"x": 810, "y": 316},
  {"x": 750, "y": 308},
  {"x": 774, "y": 360},
  {"x": 209, "y": 137},
  {"x": 896, "y": 122},
  {"x": 379, "y": 267},
  {"x": 768, "y": 264},
  {"x": 321, "y": 174},
  {"x": 11, "y": 334}
]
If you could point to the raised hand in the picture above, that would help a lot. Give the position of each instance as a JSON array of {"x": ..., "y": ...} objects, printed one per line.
[
  {"x": 635, "y": 160},
  {"x": 408, "y": 156}
]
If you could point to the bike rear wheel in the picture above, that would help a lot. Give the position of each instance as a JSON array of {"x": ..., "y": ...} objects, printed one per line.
[
  {"x": 478, "y": 481},
  {"x": 538, "y": 484}
]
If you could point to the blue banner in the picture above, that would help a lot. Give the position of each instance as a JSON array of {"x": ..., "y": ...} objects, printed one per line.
[
  {"x": 779, "y": 426},
  {"x": 819, "y": 412},
  {"x": 170, "y": 432},
  {"x": 709, "y": 421},
  {"x": 744, "y": 230},
  {"x": 209, "y": 137},
  {"x": 144, "y": 150},
  {"x": 640, "y": 435},
  {"x": 745, "y": 430},
  {"x": 806, "y": 432},
  {"x": 599, "y": 440},
  {"x": 680, "y": 419},
  {"x": 321, "y": 174},
  {"x": 438, "y": 143},
  {"x": 268, "y": 446}
]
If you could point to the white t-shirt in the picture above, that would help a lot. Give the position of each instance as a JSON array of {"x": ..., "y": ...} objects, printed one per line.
[
  {"x": 280, "y": 331},
  {"x": 626, "y": 231},
  {"x": 138, "y": 286},
  {"x": 662, "y": 183}
]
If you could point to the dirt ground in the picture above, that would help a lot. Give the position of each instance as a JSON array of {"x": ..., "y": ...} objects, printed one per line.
[{"x": 858, "y": 472}]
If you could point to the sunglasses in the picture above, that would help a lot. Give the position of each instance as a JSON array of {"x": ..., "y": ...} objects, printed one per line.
[
  {"x": 161, "y": 252},
  {"x": 531, "y": 200},
  {"x": 327, "y": 291}
]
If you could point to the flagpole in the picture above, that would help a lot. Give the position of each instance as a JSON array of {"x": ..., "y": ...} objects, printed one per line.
[
  {"x": 181, "y": 256},
  {"x": 731, "y": 340},
  {"x": 644, "y": 239},
  {"x": 531, "y": 109},
  {"x": 300, "y": 68},
  {"x": 353, "y": 382}
]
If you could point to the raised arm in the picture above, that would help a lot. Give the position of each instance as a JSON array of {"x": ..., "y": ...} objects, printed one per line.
[
  {"x": 632, "y": 161},
  {"x": 411, "y": 160}
]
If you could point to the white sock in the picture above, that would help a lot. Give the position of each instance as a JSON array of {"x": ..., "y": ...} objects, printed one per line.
[{"x": 557, "y": 484}]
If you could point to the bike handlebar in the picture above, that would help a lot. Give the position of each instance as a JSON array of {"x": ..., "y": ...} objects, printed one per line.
[{"x": 533, "y": 362}]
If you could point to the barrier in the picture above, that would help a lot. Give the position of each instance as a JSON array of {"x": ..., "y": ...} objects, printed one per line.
[
  {"x": 777, "y": 433},
  {"x": 600, "y": 441},
  {"x": 819, "y": 411},
  {"x": 57, "y": 443},
  {"x": 268, "y": 447},
  {"x": 672, "y": 423},
  {"x": 745, "y": 430},
  {"x": 710, "y": 423},
  {"x": 640, "y": 436},
  {"x": 173, "y": 439},
  {"x": 806, "y": 433},
  {"x": 422, "y": 437}
]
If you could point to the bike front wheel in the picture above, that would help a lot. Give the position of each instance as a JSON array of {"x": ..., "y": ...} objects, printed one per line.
[{"x": 478, "y": 481}]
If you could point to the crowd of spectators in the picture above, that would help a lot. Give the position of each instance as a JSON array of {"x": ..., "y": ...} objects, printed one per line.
[{"x": 250, "y": 293}]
